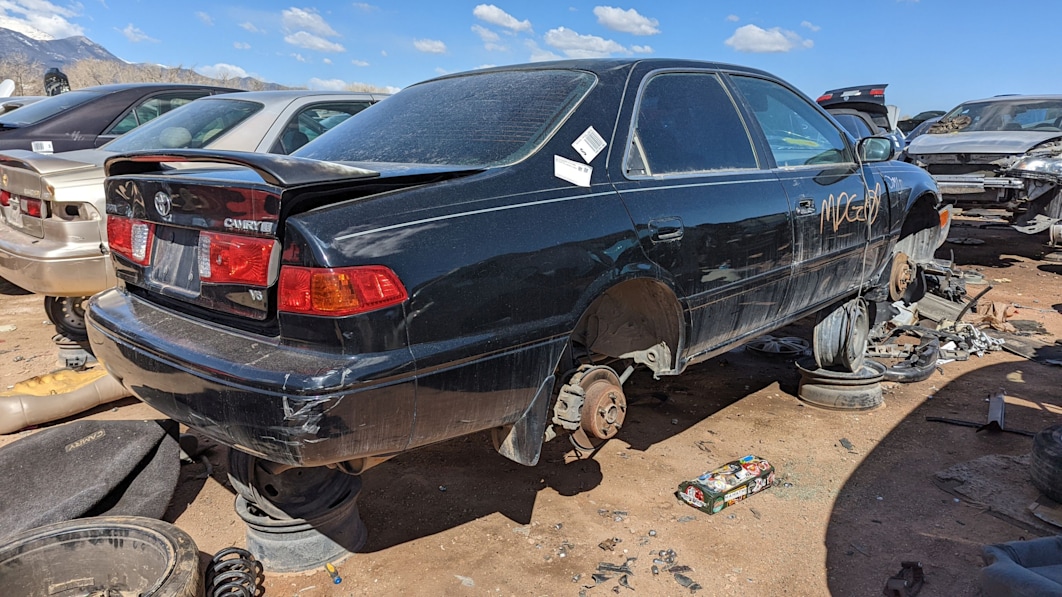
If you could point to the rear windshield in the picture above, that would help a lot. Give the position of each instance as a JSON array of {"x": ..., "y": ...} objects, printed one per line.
[
  {"x": 477, "y": 120},
  {"x": 47, "y": 107},
  {"x": 193, "y": 126}
]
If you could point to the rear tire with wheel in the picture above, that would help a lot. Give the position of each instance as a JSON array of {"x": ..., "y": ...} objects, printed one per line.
[{"x": 67, "y": 314}]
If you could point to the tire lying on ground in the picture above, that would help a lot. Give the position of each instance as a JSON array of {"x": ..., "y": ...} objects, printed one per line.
[
  {"x": 1046, "y": 467},
  {"x": 104, "y": 555},
  {"x": 841, "y": 390}
]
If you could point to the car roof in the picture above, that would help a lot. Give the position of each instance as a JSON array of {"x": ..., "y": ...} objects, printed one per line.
[
  {"x": 112, "y": 87},
  {"x": 601, "y": 65},
  {"x": 283, "y": 96}
]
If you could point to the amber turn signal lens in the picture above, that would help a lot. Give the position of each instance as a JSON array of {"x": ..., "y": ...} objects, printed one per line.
[{"x": 338, "y": 291}]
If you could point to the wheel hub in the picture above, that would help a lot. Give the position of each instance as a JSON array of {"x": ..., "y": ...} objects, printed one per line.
[
  {"x": 901, "y": 276},
  {"x": 605, "y": 407}
]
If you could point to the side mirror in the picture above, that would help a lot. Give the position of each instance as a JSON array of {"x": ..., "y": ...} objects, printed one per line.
[{"x": 876, "y": 149}]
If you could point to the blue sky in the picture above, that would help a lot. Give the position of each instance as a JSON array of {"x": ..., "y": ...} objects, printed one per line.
[{"x": 933, "y": 54}]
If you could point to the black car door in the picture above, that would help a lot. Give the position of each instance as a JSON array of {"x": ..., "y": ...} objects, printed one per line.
[
  {"x": 704, "y": 207},
  {"x": 832, "y": 210}
]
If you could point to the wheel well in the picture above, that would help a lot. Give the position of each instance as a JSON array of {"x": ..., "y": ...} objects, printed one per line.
[
  {"x": 920, "y": 233},
  {"x": 631, "y": 316}
]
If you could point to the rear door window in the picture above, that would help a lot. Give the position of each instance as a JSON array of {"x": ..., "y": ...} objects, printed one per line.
[
  {"x": 313, "y": 121},
  {"x": 151, "y": 108},
  {"x": 687, "y": 122}
]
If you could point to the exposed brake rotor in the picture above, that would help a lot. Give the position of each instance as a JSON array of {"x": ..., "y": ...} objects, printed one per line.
[
  {"x": 901, "y": 276},
  {"x": 604, "y": 407}
]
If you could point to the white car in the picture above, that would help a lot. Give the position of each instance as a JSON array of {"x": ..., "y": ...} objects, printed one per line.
[{"x": 53, "y": 231}]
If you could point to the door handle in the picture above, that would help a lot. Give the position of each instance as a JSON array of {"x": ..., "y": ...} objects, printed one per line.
[
  {"x": 665, "y": 229},
  {"x": 805, "y": 206}
]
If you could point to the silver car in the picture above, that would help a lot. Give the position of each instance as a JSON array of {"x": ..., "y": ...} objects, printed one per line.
[{"x": 53, "y": 231}]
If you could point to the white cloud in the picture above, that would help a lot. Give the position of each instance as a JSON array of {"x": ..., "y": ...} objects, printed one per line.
[
  {"x": 135, "y": 35},
  {"x": 383, "y": 52},
  {"x": 756, "y": 40},
  {"x": 809, "y": 25},
  {"x": 538, "y": 54},
  {"x": 240, "y": 45},
  {"x": 298, "y": 57},
  {"x": 626, "y": 21},
  {"x": 207, "y": 19},
  {"x": 642, "y": 49},
  {"x": 733, "y": 18},
  {"x": 429, "y": 46},
  {"x": 490, "y": 39},
  {"x": 221, "y": 71},
  {"x": 309, "y": 41},
  {"x": 35, "y": 17},
  {"x": 298, "y": 19},
  {"x": 496, "y": 16},
  {"x": 441, "y": 71},
  {"x": 582, "y": 46},
  {"x": 326, "y": 60},
  {"x": 327, "y": 84},
  {"x": 365, "y": 6},
  {"x": 482, "y": 66},
  {"x": 248, "y": 26},
  {"x": 359, "y": 63}
]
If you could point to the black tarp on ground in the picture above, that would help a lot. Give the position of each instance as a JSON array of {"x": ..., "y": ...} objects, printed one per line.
[{"x": 88, "y": 468}]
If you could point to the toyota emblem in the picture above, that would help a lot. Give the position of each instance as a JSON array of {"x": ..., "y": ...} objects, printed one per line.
[{"x": 163, "y": 203}]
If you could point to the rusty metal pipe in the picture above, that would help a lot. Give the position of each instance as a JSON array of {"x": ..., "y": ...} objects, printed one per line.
[{"x": 56, "y": 395}]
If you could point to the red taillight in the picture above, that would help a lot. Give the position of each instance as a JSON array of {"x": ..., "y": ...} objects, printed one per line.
[
  {"x": 338, "y": 291},
  {"x": 232, "y": 259},
  {"x": 33, "y": 208},
  {"x": 5, "y": 198},
  {"x": 825, "y": 97},
  {"x": 877, "y": 92},
  {"x": 130, "y": 238}
]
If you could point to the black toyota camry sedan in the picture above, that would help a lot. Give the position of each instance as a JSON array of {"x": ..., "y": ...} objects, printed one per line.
[{"x": 497, "y": 250}]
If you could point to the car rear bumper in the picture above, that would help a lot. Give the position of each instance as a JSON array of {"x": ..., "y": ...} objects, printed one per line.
[
  {"x": 288, "y": 405},
  {"x": 66, "y": 267}
]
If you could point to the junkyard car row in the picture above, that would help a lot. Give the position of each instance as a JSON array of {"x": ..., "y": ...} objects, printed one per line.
[
  {"x": 497, "y": 250},
  {"x": 53, "y": 236}
]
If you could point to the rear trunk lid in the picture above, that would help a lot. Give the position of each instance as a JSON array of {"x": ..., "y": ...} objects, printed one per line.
[
  {"x": 24, "y": 193},
  {"x": 212, "y": 238}
]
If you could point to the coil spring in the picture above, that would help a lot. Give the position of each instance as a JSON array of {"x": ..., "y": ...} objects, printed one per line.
[{"x": 234, "y": 572}]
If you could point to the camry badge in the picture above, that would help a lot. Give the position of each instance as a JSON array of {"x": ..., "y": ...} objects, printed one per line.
[{"x": 163, "y": 203}]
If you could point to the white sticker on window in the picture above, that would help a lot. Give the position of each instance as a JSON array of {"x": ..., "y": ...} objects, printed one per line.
[
  {"x": 589, "y": 144},
  {"x": 41, "y": 146},
  {"x": 572, "y": 171}
]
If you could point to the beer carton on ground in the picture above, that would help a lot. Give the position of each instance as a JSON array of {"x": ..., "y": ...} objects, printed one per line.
[{"x": 728, "y": 484}]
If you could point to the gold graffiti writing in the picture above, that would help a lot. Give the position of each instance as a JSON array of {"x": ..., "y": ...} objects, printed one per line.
[{"x": 846, "y": 207}]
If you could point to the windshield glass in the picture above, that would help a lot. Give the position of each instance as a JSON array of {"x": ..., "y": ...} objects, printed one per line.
[
  {"x": 478, "y": 120},
  {"x": 1005, "y": 115},
  {"x": 47, "y": 107},
  {"x": 193, "y": 126}
]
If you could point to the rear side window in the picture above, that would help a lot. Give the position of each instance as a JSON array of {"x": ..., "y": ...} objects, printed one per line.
[
  {"x": 313, "y": 121},
  {"x": 798, "y": 134},
  {"x": 150, "y": 109},
  {"x": 854, "y": 124},
  {"x": 687, "y": 122}
]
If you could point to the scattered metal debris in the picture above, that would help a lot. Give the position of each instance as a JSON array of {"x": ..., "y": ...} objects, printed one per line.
[
  {"x": 610, "y": 544},
  {"x": 907, "y": 582},
  {"x": 623, "y": 582},
  {"x": 996, "y": 404},
  {"x": 600, "y": 578},
  {"x": 687, "y": 582},
  {"x": 679, "y": 569},
  {"x": 623, "y": 568},
  {"x": 847, "y": 445}
]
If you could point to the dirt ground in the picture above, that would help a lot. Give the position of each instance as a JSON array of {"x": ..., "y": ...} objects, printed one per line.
[{"x": 458, "y": 519}]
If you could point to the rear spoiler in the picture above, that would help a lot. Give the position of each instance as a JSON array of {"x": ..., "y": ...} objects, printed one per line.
[
  {"x": 278, "y": 170},
  {"x": 41, "y": 163}
]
